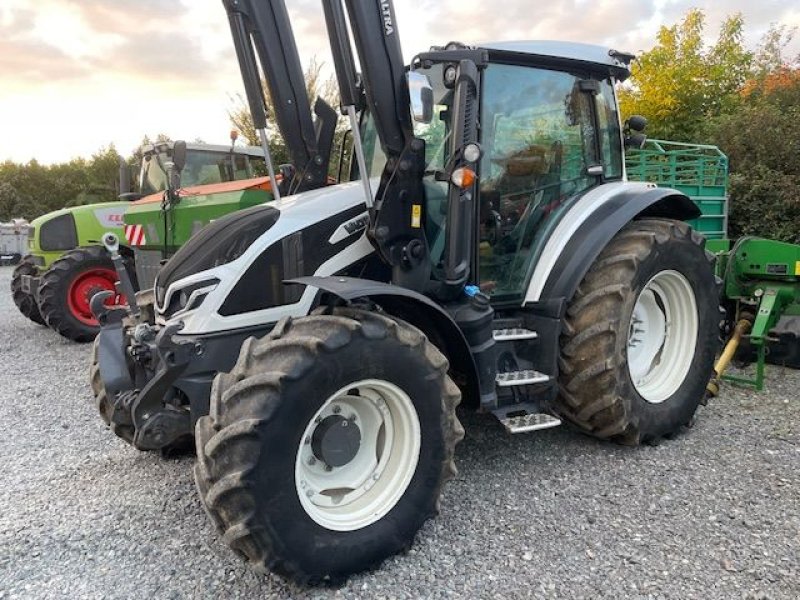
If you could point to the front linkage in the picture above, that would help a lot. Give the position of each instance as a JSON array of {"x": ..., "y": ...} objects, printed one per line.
[{"x": 138, "y": 366}]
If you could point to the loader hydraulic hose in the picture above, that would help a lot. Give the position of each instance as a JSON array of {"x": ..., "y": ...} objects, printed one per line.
[{"x": 742, "y": 328}]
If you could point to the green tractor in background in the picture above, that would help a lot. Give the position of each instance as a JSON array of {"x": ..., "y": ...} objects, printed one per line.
[
  {"x": 67, "y": 264},
  {"x": 761, "y": 277}
]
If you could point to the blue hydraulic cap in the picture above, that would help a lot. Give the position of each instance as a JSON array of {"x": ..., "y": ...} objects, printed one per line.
[{"x": 471, "y": 290}]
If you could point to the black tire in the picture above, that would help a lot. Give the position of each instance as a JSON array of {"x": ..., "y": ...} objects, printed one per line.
[
  {"x": 596, "y": 392},
  {"x": 55, "y": 289},
  {"x": 102, "y": 402},
  {"x": 26, "y": 303},
  {"x": 248, "y": 445}
]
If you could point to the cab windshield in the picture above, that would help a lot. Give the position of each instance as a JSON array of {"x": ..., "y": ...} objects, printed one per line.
[{"x": 202, "y": 167}]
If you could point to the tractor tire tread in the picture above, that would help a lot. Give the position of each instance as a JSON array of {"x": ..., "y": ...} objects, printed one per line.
[
  {"x": 26, "y": 303},
  {"x": 288, "y": 352},
  {"x": 588, "y": 395}
]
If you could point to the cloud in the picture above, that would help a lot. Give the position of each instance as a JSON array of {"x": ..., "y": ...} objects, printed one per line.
[
  {"x": 74, "y": 40},
  {"x": 169, "y": 65},
  {"x": 32, "y": 63}
]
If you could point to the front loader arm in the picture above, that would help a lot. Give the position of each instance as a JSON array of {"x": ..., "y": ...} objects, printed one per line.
[
  {"x": 395, "y": 228},
  {"x": 264, "y": 26}
]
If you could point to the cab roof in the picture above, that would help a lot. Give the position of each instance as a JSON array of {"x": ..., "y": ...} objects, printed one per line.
[{"x": 589, "y": 55}]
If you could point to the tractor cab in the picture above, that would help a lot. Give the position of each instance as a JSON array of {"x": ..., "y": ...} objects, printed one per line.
[{"x": 549, "y": 131}]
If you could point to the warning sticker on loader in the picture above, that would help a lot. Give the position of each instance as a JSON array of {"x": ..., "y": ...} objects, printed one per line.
[
  {"x": 797, "y": 268},
  {"x": 416, "y": 216}
]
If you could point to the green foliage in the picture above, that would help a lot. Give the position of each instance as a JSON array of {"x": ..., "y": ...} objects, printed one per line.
[
  {"x": 30, "y": 190},
  {"x": 680, "y": 83},
  {"x": 765, "y": 203},
  {"x": 746, "y": 102},
  {"x": 762, "y": 140}
]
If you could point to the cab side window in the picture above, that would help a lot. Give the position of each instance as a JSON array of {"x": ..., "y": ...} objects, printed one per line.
[{"x": 538, "y": 139}]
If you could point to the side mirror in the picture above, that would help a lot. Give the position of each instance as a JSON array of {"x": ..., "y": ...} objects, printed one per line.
[
  {"x": 175, "y": 166},
  {"x": 420, "y": 92},
  {"x": 637, "y": 123},
  {"x": 635, "y": 140},
  {"x": 179, "y": 155}
]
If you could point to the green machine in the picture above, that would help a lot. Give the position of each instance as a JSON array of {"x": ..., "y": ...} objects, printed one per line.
[
  {"x": 698, "y": 170},
  {"x": 761, "y": 277},
  {"x": 66, "y": 264},
  {"x": 761, "y": 284}
]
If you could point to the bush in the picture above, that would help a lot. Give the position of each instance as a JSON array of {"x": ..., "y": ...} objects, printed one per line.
[{"x": 765, "y": 202}]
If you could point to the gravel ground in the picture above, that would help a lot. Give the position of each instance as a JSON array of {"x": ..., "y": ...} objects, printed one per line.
[{"x": 712, "y": 514}]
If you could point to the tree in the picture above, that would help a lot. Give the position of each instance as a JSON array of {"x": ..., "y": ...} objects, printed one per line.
[
  {"x": 9, "y": 202},
  {"x": 680, "y": 83},
  {"x": 762, "y": 140},
  {"x": 242, "y": 120}
]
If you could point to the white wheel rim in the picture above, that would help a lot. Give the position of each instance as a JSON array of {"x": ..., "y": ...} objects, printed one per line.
[
  {"x": 662, "y": 336},
  {"x": 367, "y": 487}
]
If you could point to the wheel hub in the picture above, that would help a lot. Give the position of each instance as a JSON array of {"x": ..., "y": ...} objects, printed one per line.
[
  {"x": 662, "y": 335},
  {"x": 357, "y": 455},
  {"x": 336, "y": 440},
  {"x": 86, "y": 285}
]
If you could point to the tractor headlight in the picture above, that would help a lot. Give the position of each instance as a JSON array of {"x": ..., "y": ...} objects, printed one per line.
[
  {"x": 190, "y": 297},
  {"x": 472, "y": 152}
]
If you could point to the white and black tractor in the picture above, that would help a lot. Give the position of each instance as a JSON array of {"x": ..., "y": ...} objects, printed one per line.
[{"x": 488, "y": 251}]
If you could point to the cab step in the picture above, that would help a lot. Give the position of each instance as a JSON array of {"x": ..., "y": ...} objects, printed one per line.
[
  {"x": 522, "y": 418},
  {"x": 513, "y": 334},
  {"x": 526, "y": 377}
]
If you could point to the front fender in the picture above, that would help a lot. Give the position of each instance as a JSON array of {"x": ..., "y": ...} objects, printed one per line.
[{"x": 417, "y": 309}]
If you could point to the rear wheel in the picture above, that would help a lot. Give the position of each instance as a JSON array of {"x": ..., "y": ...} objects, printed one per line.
[
  {"x": 640, "y": 335},
  {"x": 26, "y": 303},
  {"x": 327, "y": 446},
  {"x": 68, "y": 286}
]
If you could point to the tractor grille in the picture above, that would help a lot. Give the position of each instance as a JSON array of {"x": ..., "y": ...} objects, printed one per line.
[{"x": 148, "y": 263}]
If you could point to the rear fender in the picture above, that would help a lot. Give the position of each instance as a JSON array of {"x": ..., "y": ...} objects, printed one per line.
[{"x": 581, "y": 236}]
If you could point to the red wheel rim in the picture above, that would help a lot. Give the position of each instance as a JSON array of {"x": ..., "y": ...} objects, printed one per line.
[{"x": 86, "y": 285}]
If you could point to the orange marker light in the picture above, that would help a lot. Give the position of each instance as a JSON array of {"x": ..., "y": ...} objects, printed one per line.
[{"x": 463, "y": 177}]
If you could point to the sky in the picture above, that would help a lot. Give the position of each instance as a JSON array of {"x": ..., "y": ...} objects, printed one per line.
[{"x": 78, "y": 75}]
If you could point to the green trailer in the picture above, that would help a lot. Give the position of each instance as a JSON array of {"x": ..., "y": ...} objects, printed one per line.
[
  {"x": 66, "y": 263},
  {"x": 698, "y": 170},
  {"x": 761, "y": 277}
]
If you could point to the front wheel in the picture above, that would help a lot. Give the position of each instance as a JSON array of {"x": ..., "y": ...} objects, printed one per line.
[
  {"x": 640, "y": 335},
  {"x": 67, "y": 288},
  {"x": 26, "y": 303},
  {"x": 327, "y": 446}
]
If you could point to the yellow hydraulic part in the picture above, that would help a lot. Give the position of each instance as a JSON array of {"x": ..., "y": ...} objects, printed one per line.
[{"x": 742, "y": 328}]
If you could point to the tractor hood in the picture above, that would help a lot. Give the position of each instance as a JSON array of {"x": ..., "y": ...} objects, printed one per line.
[
  {"x": 75, "y": 226},
  {"x": 262, "y": 183},
  {"x": 298, "y": 235},
  {"x": 199, "y": 205}
]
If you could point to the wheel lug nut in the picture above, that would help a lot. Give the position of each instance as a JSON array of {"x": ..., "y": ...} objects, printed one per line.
[
  {"x": 337, "y": 409},
  {"x": 328, "y": 468},
  {"x": 311, "y": 460},
  {"x": 307, "y": 441},
  {"x": 309, "y": 493}
]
